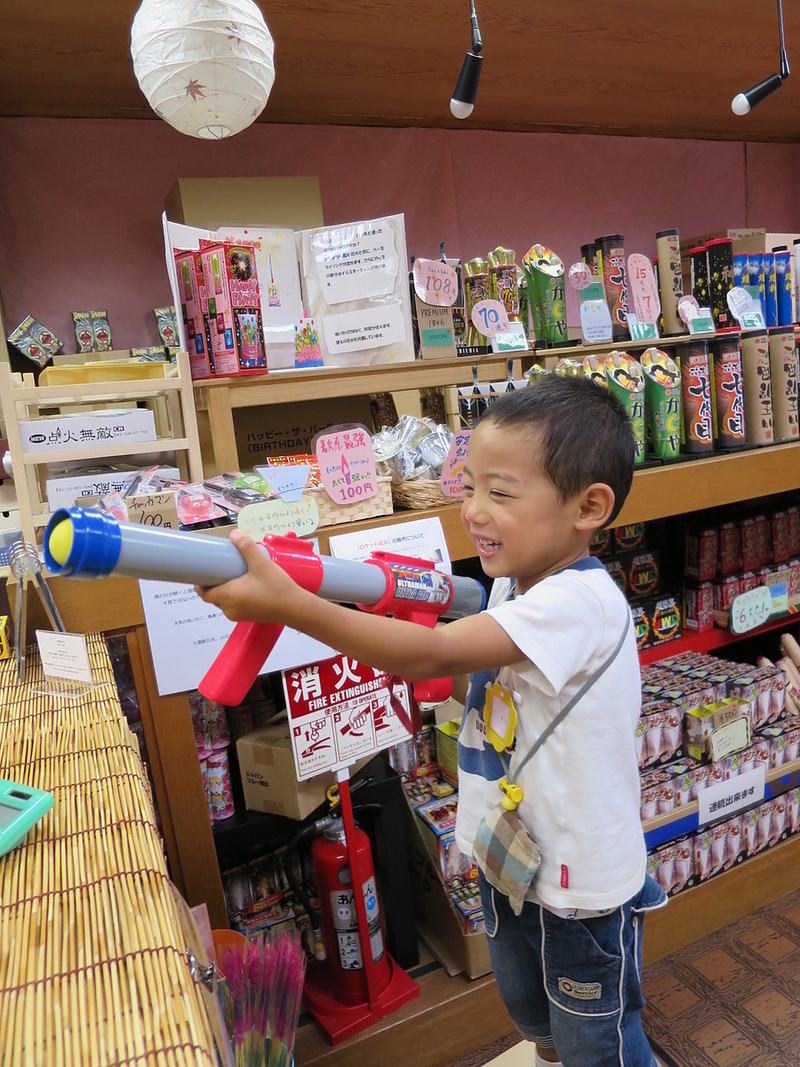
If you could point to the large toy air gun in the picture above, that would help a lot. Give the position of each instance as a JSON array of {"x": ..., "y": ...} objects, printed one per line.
[{"x": 89, "y": 544}]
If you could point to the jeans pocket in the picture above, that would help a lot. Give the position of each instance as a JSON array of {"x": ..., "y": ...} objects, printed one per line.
[
  {"x": 582, "y": 976},
  {"x": 650, "y": 898},
  {"x": 491, "y": 920}
]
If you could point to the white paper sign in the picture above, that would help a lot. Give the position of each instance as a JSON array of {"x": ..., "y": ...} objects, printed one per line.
[
  {"x": 187, "y": 635},
  {"x": 421, "y": 538},
  {"x": 64, "y": 656},
  {"x": 355, "y": 262},
  {"x": 595, "y": 320},
  {"x": 100, "y": 429},
  {"x": 278, "y": 278},
  {"x": 726, "y": 798},
  {"x": 741, "y": 303},
  {"x": 750, "y": 609},
  {"x": 354, "y": 331}
]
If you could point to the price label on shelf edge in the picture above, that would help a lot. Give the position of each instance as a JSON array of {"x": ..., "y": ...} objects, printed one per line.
[{"x": 752, "y": 609}]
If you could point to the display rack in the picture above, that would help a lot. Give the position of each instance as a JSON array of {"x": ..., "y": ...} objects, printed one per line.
[
  {"x": 685, "y": 820},
  {"x": 218, "y": 398},
  {"x": 176, "y": 433}
]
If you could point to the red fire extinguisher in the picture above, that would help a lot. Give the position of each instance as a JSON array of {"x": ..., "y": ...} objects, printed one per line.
[{"x": 336, "y": 894}]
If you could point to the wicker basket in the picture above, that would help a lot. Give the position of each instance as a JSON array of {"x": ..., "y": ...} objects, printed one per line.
[
  {"x": 418, "y": 495},
  {"x": 333, "y": 514}
]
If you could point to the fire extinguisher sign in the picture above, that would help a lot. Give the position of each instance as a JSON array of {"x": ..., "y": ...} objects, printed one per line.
[
  {"x": 340, "y": 711},
  {"x": 345, "y": 923}
]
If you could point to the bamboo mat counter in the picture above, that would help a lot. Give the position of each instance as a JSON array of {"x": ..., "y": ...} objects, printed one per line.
[{"x": 92, "y": 967}]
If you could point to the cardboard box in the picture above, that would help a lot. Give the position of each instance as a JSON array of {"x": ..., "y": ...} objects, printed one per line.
[
  {"x": 214, "y": 202},
  {"x": 288, "y": 429},
  {"x": 447, "y": 747},
  {"x": 439, "y": 924},
  {"x": 268, "y": 779}
]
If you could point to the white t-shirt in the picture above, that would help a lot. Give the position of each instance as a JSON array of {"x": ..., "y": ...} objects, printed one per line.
[{"x": 581, "y": 789}]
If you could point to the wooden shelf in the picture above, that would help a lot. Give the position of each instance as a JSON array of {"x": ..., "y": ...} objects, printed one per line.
[
  {"x": 714, "y": 639},
  {"x": 722, "y": 900},
  {"x": 681, "y": 488},
  {"x": 686, "y": 814}
]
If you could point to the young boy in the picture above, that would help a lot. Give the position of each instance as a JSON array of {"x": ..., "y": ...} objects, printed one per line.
[{"x": 548, "y": 467}]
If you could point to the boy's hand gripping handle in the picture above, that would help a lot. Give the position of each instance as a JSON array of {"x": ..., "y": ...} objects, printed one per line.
[{"x": 239, "y": 663}]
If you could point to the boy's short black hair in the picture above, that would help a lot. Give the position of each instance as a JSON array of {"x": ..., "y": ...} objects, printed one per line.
[{"x": 583, "y": 430}]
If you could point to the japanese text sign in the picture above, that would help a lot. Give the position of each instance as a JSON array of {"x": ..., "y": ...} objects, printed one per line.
[
  {"x": 279, "y": 517},
  {"x": 454, "y": 464},
  {"x": 154, "y": 509},
  {"x": 288, "y": 482},
  {"x": 595, "y": 320},
  {"x": 355, "y": 262},
  {"x": 339, "y": 712},
  {"x": 435, "y": 282},
  {"x": 726, "y": 798},
  {"x": 347, "y": 465},
  {"x": 643, "y": 296}
]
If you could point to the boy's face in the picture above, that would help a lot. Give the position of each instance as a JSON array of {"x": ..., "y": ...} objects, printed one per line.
[{"x": 514, "y": 515}]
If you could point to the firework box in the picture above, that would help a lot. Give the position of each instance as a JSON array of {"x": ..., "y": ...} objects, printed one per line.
[
  {"x": 439, "y": 923},
  {"x": 231, "y": 289},
  {"x": 447, "y": 747}
]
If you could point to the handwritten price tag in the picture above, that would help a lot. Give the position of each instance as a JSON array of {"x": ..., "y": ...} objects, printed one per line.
[
  {"x": 580, "y": 275},
  {"x": 688, "y": 308},
  {"x": 750, "y": 609},
  {"x": 741, "y": 304},
  {"x": 490, "y": 317},
  {"x": 642, "y": 289},
  {"x": 154, "y": 509},
  {"x": 435, "y": 282},
  {"x": 288, "y": 482},
  {"x": 279, "y": 517},
  {"x": 454, "y": 464},
  {"x": 347, "y": 466}
]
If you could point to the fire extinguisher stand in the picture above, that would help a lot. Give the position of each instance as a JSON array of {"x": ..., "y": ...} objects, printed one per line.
[{"x": 340, "y": 1021}]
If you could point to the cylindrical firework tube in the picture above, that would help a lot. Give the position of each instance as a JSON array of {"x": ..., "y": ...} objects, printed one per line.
[
  {"x": 698, "y": 427},
  {"x": 699, "y": 260},
  {"x": 611, "y": 255},
  {"x": 757, "y": 387},
  {"x": 740, "y": 275},
  {"x": 770, "y": 290},
  {"x": 662, "y": 393},
  {"x": 670, "y": 279},
  {"x": 477, "y": 287},
  {"x": 626, "y": 382},
  {"x": 783, "y": 377},
  {"x": 755, "y": 272},
  {"x": 594, "y": 367},
  {"x": 545, "y": 273},
  {"x": 783, "y": 284},
  {"x": 729, "y": 420},
  {"x": 720, "y": 279}
]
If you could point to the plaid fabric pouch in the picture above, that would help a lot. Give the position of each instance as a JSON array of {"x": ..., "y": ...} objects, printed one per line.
[
  {"x": 507, "y": 855},
  {"x": 504, "y": 850}
]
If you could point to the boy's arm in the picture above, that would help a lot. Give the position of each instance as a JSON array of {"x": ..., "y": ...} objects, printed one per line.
[{"x": 267, "y": 594}]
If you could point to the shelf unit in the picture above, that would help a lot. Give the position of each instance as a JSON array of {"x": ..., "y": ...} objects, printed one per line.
[
  {"x": 715, "y": 639},
  {"x": 176, "y": 432},
  {"x": 684, "y": 819},
  {"x": 217, "y": 398}
]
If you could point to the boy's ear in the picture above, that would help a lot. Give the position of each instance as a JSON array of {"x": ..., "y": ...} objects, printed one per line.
[{"x": 595, "y": 506}]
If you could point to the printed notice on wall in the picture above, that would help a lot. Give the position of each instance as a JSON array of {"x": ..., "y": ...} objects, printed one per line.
[
  {"x": 420, "y": 538},
  {"x": 64, "y": 656},
  {"x": 355, "y": 262},
  {"x": 186, "y": 635},
  {"x": 370, "y": 328}
]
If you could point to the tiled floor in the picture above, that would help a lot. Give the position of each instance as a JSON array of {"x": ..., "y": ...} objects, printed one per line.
[{"x": 730, "y": 1000}]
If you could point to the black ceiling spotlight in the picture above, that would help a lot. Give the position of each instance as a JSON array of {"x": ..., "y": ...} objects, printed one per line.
[
  {"x": 743, "y": 102},
  {"x": 463, "y": 100}
]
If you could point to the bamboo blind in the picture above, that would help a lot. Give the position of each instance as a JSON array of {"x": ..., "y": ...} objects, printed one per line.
[{"x": 92, "y": 967}]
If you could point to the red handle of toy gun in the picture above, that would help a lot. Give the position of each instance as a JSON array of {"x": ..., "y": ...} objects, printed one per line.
[{"x": 237, "y": 666}]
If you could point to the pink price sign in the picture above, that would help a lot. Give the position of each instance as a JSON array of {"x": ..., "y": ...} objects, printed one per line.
[
  {"x": 580, "y": 275},
  {"x": 453, "y": 469},
  {"x": 435, "y": 282},
  {"x": 490, "y": 317},
  {"x": 347, "y": 465},
  {"x": 642, "y": 289}
]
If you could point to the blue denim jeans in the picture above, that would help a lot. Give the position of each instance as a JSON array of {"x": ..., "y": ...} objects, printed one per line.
[{"x": 573, "y": 983}]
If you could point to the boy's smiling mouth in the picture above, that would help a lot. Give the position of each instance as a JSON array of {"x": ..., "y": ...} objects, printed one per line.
[{"x": 486, "y": 547}]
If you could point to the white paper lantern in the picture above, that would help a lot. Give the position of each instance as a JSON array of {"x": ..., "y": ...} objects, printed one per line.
[{"x": 205, "y": 66}]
